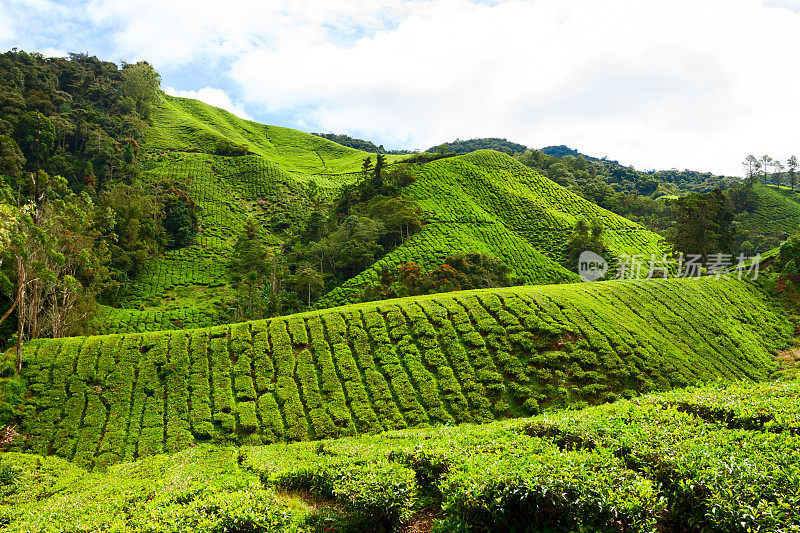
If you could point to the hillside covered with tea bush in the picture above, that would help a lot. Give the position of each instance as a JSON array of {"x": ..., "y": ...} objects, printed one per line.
[
  {"x": 282, "y": 181},
  {"x": 472, "y": 356}
]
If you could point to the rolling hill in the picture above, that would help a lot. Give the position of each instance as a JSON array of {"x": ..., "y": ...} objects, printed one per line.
[
  {"x": 487, "y": 201},
  {"x": 550, "y": 406},
  {"x": 776, "y": 214},
  {"x": 240, "y": 171}
]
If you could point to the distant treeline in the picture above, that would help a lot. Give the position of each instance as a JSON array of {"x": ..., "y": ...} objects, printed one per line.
[
  {"x": 472, "y": 145},
  {"x": 359, "y": 144}
]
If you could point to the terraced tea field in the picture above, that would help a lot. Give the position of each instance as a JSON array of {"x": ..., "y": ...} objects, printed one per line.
[
  {"x": 777, "y": 212},
  {"x": 191, "y": 126},
  {"x": 470, "y": 356}
]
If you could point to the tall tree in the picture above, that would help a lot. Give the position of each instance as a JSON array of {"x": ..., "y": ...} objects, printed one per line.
[
  {"x": 791, "y": 164},
  {"x": 366, "y": 168},
  {"x": 310, "y": 280},
  {"x": 11, "y": 159},
  {"x": 751, "y": 166},
  {"x": 377, "y": 171},
  {"x": 141, "y": 84},
  {"x": 703, "y": 224},
  {"x": 766, "y": 162},
  {"x": 777, "y": 174}
]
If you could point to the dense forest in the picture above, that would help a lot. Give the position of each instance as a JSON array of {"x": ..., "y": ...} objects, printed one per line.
[
  {"x": 359, "y": 144},
  {"x": 78, "y": 222},
  {"x": 491, "y": 143}
]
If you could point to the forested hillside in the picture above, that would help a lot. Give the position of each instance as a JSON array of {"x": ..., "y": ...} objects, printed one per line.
[
  {"x": 359, "y": 144},
  {"x": 78, "y": 223}
]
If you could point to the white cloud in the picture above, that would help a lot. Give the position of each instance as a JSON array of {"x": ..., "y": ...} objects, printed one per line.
[
  {"x": 180, "y": 31},
  {"x": 54, "y": 52},
  {"x": 682, "y": 84},
  {"x": 658, "y": 84},
  {"x": 212, "y": 96},
  {"x": 794, "y": 5}
]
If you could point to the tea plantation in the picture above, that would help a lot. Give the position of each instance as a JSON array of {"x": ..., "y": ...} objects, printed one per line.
[
  {"x": 776, "y": 211},
  {"x": 488, "y": 202},
  {"x": 240, "y": 171},
  {"x": 551, "y": 406},
  {"x": 471, "y": 356},
  {"x": 668, "y": 462}
]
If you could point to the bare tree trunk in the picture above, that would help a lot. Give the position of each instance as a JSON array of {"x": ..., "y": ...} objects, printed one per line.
[
  {"x": 11, "y": 309},
  {"x": 20, "y": 313}
]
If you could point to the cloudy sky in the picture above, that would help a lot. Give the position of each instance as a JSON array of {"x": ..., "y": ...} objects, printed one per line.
[{"x": 658, "y": 84}]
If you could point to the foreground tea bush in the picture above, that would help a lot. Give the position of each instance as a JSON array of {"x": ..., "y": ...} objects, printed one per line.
[
  {"x": 769, "y": 407},
  {"x": 715, "y": 479},
  {"x": 199, "y": 490},
  {"x": 461, "y": 357},
  {"x": 641, "y": 465}
]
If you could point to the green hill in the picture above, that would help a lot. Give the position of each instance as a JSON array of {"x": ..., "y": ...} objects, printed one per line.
[
  {"x": 408, "y": 414},
  {"x": 469, "y": 356},
  {"x": 472, "y": 145},
  {"x": 776, "y": 213},
  {"x": 488, "y": 202},
  {"x": 237, "y": 171},
  {"x": 240, "y": 171},
  {"x": 186, "y": 125}
]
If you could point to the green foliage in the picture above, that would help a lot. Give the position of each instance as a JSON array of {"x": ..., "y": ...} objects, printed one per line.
[
  {"x": 714, "y": 478},
  {"x": 703, "y": 224},
  {"x": 36, "y": 136},
  {"x": 789, "y": 256},
  {"x": 11, "y": 159},
  {"x": 459, "y": 272},
  {"x": 140, "y": 83},
  {"x": 359, "y": 144},
  {"x": 472, "y": 145},
  {"x": 586, "y": 237},
  {"x": 199, "y": 490},
  {"x": 179, "y": 216},
  {"x": 477, "y": 203},
  {"x": 78, "y": 109},
  {"x": 12, "y": 390},
  {"x": 485, "y": 202},
  {"x": 642, "y": 196}
]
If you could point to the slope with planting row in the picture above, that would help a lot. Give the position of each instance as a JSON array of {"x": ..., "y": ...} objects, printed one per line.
[
  {"x": 488, "y": 202},
  {"x": 776, "y": 212},
  {"x": 462, "y": 357}
]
